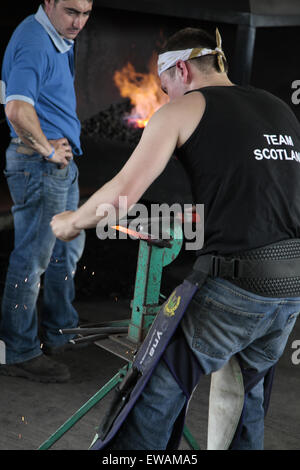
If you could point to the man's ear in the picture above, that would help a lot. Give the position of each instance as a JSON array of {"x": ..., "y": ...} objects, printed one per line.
[
  {"x": 183, "y": 69},
  {"x": 47, "y": 3}
]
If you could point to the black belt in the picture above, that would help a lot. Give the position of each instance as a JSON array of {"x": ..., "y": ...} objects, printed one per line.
[
  {"x": 271, "y": 271},
  {"x": 236, "y": 268}
]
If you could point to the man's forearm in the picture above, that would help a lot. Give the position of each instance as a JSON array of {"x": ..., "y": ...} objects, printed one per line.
[
  {"x": 95, "y": 208},
  {"x": 26, "y": 124}
]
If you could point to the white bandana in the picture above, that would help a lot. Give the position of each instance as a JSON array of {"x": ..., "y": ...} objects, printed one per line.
[{"x": 170, "y": 58}]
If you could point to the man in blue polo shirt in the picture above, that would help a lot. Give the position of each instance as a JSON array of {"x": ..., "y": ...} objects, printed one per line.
[{"x": 40, "y": 105}]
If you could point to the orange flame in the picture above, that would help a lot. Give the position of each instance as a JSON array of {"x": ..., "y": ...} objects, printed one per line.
[{"x": 144, "y": 92}]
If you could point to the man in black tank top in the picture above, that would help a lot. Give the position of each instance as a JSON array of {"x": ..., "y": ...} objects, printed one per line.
[{"x": 240, "y": 147}]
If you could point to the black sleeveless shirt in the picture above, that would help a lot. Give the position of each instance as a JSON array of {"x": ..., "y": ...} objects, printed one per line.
[{"x": 243, "y": 161}]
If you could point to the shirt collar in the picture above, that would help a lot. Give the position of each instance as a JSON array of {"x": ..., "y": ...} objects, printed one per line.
[{"x": 62, "y": 44}]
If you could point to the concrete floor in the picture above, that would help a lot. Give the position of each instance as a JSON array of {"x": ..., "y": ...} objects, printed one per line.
[{"x": 30, "y": 412}]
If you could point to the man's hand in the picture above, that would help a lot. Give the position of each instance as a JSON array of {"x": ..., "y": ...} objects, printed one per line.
[
  {"x": 63, "y": 152},
  {"x": 62, "y": 226},
  {"x": 25, "y": 121}
]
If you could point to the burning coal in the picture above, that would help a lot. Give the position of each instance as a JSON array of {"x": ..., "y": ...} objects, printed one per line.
[{"x": 109, "y": 124}]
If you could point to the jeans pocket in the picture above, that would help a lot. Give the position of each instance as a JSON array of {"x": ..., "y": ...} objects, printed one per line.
[
  {"x": 17, "y": 182},
  {"x": 276, "y": 341},
  {"x": 75, "y": 176},
  {"x": 222, "y": 330},
  {"x": 56, "y": 183},
  {"x": 58, "y": 173}
]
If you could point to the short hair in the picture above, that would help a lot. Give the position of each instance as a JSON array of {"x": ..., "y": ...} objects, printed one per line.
[{"x": 188, "y": 38}]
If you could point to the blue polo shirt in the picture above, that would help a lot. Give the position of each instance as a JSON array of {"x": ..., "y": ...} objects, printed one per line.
[{"x": 38, "y": 68}]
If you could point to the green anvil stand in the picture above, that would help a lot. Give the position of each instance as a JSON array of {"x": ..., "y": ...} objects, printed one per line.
[{"x": 123, "y": 338}]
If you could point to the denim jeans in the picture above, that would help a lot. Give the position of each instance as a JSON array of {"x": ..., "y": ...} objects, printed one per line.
[
  {"x": 39, "y": 190},
  {"x": 221, "y": 321}
]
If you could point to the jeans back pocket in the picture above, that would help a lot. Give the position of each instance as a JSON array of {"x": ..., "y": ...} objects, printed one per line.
[{"x": 222, "y": 330}]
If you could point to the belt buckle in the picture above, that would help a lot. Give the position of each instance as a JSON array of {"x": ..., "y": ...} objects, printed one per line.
[
  {"x": 225, "y": 267},
  {"x": 232, "y": 268},
  {"x": 215, "y": 266},
  {"x": 16, "y": 140}
]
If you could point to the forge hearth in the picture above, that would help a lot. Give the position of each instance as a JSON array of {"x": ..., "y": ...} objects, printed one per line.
[
  {"x": 111, "y": 124},
  {"x": 108, "y": 139}
]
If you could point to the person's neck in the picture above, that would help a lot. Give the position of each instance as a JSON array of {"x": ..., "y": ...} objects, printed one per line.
[
  {"x": 43, "y": 6},
  {"x": 216, "y": 79}
]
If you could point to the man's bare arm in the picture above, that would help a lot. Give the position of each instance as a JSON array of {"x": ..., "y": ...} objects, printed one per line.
[
  {"x": 25, "y": 122},
  {"x": 169, "y": 127},
  {"x": 148, "y": 160}
]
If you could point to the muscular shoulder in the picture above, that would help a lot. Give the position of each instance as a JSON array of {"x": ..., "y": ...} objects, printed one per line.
[
  {"x": 189, "y": 105},
  {"x": 180, "y": 116},
  {"x": 184, "y": 113}
]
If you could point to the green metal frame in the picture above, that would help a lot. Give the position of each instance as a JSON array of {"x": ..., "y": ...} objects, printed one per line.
[
  {"x": 112, "y": 383},
  {"x": 145, "y": 305},
  {"x": 151, "y": 261}
]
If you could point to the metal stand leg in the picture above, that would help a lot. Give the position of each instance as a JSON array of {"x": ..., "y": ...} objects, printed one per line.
[
  {"x": 190, "y": 439},
  {"x": 112, "y": 383},
  {"x": 153, "y": 256}
]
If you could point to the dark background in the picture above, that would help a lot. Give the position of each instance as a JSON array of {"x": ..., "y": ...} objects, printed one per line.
[
  {"x": 31, "y": 412},
  {"x": 112, "y": 38}
]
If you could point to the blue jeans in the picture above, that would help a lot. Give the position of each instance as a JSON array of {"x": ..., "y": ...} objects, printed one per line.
[
  {"x": 39, "y": 190},
  {"x": 221, "y": 321}
]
